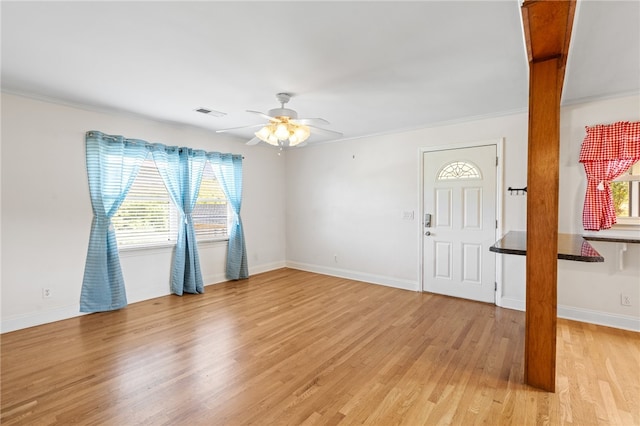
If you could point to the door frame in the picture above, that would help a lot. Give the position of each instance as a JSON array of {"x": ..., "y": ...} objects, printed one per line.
[{"x": 499, "y": 144}]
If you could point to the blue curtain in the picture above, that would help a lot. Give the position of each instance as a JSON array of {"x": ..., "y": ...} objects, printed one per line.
[
  {"x": 181, "y": 170},
  {"x": 228, "y": 170},
  {"x": 112, "y": 166}
]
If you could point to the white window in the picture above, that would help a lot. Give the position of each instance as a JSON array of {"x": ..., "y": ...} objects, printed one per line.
[
  {"x": 148, "y": 217},
  {"x": 210, "y": 212},
  {"x": 626, "y": 196}
]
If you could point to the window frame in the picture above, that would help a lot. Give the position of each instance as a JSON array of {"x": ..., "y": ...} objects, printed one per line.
[
  {"x": 201, "y": 237},
  {"x": 173, "y": 215},
  {"x": 632, "y": 175},
  {"x": 149, "y": 171}
]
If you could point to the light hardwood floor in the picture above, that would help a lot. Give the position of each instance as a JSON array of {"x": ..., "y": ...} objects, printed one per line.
[{"x": 292, "y": 347}]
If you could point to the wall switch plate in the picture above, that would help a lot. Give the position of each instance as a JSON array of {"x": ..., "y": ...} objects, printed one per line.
[{"x": 407, "y": 215}]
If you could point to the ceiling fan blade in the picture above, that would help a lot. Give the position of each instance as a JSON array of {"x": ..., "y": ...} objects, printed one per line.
[
  {"x": 263, "y": 115},
  {"x": 254, "y": 141},
  {"x": 238, "y": 128},
  {"x": 325, "y": 131},
  {"x": 310, "y": 121}
]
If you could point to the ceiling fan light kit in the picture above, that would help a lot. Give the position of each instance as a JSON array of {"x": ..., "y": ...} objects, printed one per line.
[
  {"x": 277, "y": 133},
  {"x": 284, "y": 128},
  {"x": 281, "y": 129}
]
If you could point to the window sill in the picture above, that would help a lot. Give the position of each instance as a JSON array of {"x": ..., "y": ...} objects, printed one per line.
[
  {"x": 213, "y": 242},
  {"x": 629, "y": 233}
]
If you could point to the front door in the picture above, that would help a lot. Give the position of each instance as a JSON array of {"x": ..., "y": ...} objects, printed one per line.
[{"x": 460, "y": 222}]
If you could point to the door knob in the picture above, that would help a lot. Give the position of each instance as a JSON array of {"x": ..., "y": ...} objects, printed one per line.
[{"x": 427, "y": 233}]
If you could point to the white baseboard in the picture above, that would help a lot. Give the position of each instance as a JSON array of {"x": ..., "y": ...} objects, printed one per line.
[
  {"x": 356, "y": 275},
  {"x": 213, "y": 279},
  {"x": 19, "y": 322},
  {"x": 624, "y": 322},
  {"x": 266, "y": 267},
  {"x": 509, "y": 303},
  {"x": 32, "y": 319}
]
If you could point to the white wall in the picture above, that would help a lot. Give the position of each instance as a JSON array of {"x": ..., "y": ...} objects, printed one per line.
[
  {"x": 346, "y": 199},
  {"x": 332, "y": 208},
  {"x": 46, "y": 210},
  {"x": 591, "y": 292}
]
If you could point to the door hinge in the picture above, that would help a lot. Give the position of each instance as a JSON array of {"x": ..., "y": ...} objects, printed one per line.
[
  {"x": 496, "y": 161},
  {"x": 495, "y": 286},
  {"x": 496, "y": 224}
]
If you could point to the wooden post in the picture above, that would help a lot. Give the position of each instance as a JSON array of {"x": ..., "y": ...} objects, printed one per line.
[
  {"x": 542, "y": 226},
  {"x": 547, "y": 27}
]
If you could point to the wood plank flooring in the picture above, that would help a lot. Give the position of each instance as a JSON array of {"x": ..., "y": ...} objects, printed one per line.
[{"x": 292, "y": 347}]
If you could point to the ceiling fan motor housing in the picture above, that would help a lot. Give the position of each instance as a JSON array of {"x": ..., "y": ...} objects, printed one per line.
[
  {"x": 283, "y": 98},
  {"x": 283, "y": 112}
]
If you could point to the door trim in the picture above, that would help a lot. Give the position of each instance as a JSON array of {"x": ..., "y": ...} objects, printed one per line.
[{"x": 499, "y": 144}]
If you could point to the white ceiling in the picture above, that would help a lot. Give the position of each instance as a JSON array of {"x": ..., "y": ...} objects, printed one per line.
[{"x": 368, "y": 67}]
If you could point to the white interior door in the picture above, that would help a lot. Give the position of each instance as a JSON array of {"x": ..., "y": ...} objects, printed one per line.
[{"x": 460, "y": 197}]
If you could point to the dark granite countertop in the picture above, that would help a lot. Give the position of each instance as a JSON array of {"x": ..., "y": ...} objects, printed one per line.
[{"x": 570, "y": 247}]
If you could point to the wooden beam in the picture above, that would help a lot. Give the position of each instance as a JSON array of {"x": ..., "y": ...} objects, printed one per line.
[
  {"x": 547, "y": 30},
  {"x": 542, "y": 226}
]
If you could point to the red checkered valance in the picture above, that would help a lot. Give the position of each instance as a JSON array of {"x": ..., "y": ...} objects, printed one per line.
[
  {"x": 607, "y": 152},
  {"x": 615, "y": 141}
]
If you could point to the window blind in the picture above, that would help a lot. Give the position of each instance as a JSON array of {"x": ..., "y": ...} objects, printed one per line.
[
  {"x": 147, "y": 215},
  {"x": 210, "y": 212}
]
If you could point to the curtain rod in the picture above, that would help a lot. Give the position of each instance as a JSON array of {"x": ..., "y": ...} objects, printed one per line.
[{"x": 96, "y": 133}]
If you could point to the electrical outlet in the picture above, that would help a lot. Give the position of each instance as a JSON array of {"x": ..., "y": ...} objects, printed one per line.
[
  {"x": 625, "y": 299},
  {"x": 46, "y": 293}
]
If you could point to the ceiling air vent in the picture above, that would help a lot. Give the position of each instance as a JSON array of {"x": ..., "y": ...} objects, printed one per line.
[{"x": 211, "y": 112}]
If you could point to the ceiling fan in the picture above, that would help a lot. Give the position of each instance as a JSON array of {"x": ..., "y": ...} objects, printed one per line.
[{"x": 284, "y": 128}]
